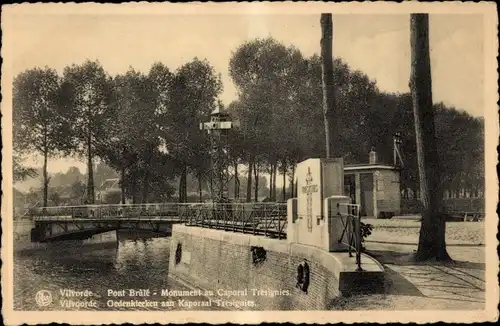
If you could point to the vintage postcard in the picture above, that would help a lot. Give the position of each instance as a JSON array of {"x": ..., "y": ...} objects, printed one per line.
[{"x": 249, "y": 162}]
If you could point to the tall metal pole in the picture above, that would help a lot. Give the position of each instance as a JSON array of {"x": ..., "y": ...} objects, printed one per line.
[{"x": 217, "y": 129}]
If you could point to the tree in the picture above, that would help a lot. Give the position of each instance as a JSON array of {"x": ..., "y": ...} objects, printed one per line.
[
  {"x": 267, "y": 75},
  {"x": 37, "y": 119},
  {"x": 331, "y": 130},
  {"x": 135, "y": 142},
  {"x": 235, "y": 148},
  {"x": 119, "y": 149},
  {"x": 458, "y": 133},
  {"x": 195, "y": 88},
  {"x": 137, "y": 131},
  {"x": 88, "y": 94},
  {"x": 431, "y": 243}
]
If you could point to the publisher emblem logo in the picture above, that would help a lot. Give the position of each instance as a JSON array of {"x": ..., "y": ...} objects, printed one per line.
[{"x": 43, "y": 298}]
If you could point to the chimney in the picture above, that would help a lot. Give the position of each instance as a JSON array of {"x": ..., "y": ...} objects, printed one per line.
[{"x": 373, "y": 156}]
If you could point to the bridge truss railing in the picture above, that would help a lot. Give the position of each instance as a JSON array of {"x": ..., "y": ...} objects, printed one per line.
[
  {"x": 268, "y": 219},
  {"x": 146, "y": 211},
  {"x": 351, "y": 235}
]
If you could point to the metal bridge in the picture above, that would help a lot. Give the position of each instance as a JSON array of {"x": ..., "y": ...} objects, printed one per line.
[{"x": 62, "y": 222}]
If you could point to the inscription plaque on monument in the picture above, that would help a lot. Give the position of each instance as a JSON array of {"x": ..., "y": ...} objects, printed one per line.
[{"x": 309, "y": 189}]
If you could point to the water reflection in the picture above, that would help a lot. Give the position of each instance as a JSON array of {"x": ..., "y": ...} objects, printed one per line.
[{"x": 129, "y": 262}]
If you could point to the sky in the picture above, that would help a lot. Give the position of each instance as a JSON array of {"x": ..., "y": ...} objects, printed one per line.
[{"x": 377, "y": 45}]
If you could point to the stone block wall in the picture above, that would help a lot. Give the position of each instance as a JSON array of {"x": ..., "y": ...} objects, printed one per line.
[{"x": 223, "y": 261}]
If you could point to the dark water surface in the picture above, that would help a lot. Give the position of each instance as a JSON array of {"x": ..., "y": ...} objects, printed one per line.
[{"x": 128, "y": 262}]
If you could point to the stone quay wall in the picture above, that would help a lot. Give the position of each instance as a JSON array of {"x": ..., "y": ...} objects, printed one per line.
[{"x": 223, "y": 262}]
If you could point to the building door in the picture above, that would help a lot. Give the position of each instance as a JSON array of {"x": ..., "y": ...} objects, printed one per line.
[
  {"x": 366, "y": 185},
  {"x": 350, "y": 187}
]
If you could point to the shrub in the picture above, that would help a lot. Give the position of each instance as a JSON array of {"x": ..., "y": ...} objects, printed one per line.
[{"x": 366, "y": 230}]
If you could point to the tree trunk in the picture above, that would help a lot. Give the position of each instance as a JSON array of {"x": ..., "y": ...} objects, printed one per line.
[
  {"x": 183, "y": 185},
  {"x": 180, "y": 189},
  {"x": 90, "y": 172},
  {"x": 147, "y": 174},
  {"x": 134, "y": 187},
  {"x": 292, "y": 182},
  {"x": 122, "y": 185},
  {"x": 211, "y": 185},
  {"x": 200, "y": 192},
  {"x": 329, "y": 113},
  {"x": 236, "y": 182},
  {"x": 283, "y": 188},
  {"x": 431, "y": 244},
  {"x": 45, "y": 178},
  {"x": 271, "y": 182},
  {"x": 145, "y": 187},
  {"x": 256, "y": 177},
  {"x": 275, "y": 175},
  {"x": 296, "y": 188},
  {"x": 249, "y": 180}
]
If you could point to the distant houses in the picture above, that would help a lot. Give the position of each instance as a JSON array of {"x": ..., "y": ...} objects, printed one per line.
[{"x": 109, "y": 192}]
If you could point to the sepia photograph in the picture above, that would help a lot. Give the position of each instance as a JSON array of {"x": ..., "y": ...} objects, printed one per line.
[{"x": 277, "y": 159}]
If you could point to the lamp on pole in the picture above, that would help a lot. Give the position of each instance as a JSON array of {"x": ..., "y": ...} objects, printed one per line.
[
  {"x": 218, "y": 128},
  {"x": 398, "y": 159}
]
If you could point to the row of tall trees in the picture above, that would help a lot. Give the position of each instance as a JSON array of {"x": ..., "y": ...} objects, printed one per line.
[
  {"x": 143, "y": 125},
  {"x": 146, "y": 125}
]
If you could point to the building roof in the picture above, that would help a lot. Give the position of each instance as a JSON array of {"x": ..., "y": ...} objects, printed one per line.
[
  {"x": 358, "y": 167},
  {"x": 107, "y": 184}
]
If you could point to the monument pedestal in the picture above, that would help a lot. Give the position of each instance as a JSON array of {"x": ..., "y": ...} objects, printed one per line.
[
  {"x": 320, "y": 187},
  {"x": 318, "y": 218}
]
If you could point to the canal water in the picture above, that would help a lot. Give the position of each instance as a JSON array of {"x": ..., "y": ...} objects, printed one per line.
[{"x": 93, "y": 275}]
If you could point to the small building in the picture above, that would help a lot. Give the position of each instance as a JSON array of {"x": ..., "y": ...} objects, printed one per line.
[{"x": 376, "y": 187}]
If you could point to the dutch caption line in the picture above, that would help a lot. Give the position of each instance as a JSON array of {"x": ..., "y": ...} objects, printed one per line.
[
  {"x": 132, "y": 303},
  {"x": 77, "y": 299}
]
